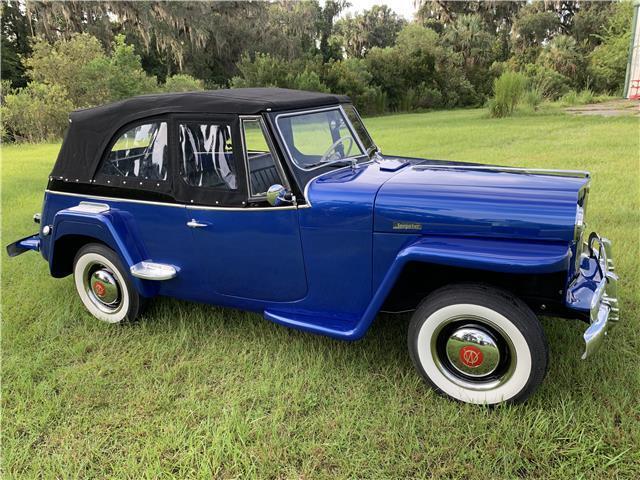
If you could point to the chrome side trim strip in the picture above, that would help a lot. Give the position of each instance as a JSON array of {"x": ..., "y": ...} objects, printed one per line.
[
  {"x": 235, "y": 209},
  {"x": 153, "y": 271},
  {"x": 531, "y": 171},
  {"x": 164, "y": 204}
]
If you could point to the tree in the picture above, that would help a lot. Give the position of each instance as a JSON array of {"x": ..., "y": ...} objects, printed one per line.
[
  {"x": 326, "y": 20},
  {"x": 377, "y": 27},
  {"x": 15, "y": 44},
  {"x": 608, "y": 62},
  {"x": 562, "y": 55},
  {"x": 532, "y": 28}
]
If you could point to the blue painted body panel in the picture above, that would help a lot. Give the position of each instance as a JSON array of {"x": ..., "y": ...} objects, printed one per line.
[
  {"x": 482, "y": 204},
  {"x": 328, "y": 266}
]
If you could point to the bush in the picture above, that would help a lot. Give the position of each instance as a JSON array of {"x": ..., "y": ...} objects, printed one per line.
[
  {"x": 36, "y": 113},
  {"x": 182, "y": 83},
  {"x": 83, "y": 70},
  {"x": 351, "y": 77},
  {"x": 532, "y": 98},
  {"x": 573, "y": 97},
  {"x": 551, "y": 84},
  {"x": 508, "y": 90},
  {"x": 308, "y": 80},
  {"x": 263, "y": 70},
  {"x": 76, "y": 65}
]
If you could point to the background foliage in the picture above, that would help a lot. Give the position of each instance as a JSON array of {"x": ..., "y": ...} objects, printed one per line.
[{"x": 448, "y": 56}]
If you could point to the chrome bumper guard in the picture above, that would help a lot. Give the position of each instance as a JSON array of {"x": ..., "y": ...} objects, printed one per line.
[{"x": 603, "y": 310}]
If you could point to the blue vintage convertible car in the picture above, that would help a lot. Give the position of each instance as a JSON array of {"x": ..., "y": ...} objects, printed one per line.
[{"x": 279, "y": 201}]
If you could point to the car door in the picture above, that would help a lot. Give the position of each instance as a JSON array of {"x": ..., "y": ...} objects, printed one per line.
[{"x": 247, "y": 248}]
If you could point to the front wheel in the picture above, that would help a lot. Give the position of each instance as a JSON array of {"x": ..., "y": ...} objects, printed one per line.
[{"x": 478, "y": 344}]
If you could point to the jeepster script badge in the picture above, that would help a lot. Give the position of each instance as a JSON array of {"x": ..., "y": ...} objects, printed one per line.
[{"x": 407, "y": 226}]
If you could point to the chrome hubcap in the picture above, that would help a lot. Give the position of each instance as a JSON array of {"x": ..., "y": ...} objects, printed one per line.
[
  {"x": 473, "y": 351},
  {"x": 105, "y": 287},
  {"x": 102, "y": 287}
]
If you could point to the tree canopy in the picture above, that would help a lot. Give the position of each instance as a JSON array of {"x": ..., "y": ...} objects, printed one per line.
[{"x": 448, "y": 55}]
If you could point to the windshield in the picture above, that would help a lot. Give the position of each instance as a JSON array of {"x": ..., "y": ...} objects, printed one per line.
[{"x": 319, "y": 138}]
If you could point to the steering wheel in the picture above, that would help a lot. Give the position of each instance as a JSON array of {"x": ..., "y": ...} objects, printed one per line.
[{"x": 333, "y": 147}]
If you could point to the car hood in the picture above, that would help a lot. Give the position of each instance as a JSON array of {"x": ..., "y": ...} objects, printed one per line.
[{"x": 459, "y": 200}]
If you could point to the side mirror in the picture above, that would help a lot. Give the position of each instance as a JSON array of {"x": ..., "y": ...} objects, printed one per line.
[{"x": 277, "y": 195}]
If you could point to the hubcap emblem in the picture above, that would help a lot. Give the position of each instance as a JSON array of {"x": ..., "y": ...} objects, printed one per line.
[
  {"x": 472, "y": 351},
  {"x": 471, "y": 356},
  {"x": 100, "y": 289}
]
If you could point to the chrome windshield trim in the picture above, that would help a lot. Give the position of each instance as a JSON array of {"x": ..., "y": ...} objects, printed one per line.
[
  {"x": 355, "y": 110},
  {"x": 276, "y": 158},
  {"x": 316, "y": 110},
  {"x": 530, "y": 171},
  {"x": 175, "y": 205}
]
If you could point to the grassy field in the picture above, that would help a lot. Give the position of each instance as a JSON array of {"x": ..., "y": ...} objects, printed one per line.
[{"x": 198, "y": 391}]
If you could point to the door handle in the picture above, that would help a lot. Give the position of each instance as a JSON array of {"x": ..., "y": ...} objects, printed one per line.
[{"x": 193, "y": 223}]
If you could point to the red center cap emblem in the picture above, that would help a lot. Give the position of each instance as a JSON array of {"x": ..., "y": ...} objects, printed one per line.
[
  {"x": 471, "y": 356},
  {"x": 98, "y": 287}
]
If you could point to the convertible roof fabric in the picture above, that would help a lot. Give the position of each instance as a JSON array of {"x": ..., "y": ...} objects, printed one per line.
[{"x": 91, "y": 129}]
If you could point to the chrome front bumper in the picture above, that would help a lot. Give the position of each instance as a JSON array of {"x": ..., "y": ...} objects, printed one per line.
[{"x": 595, "y": 290}]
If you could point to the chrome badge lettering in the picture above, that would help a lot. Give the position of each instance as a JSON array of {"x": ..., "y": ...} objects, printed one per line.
[{"x": 407, "y": 226}]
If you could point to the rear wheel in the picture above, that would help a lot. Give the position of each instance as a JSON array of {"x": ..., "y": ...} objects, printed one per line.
[
  {"x": 478, "y": 344},
  {"x": 103, "y": 284}
]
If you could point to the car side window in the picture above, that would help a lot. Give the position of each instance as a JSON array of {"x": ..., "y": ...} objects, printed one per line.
[
  {"x": 261, "y": 164},
  {"x": 141, "y": 153},
  {"x": 206, "y": 155}
]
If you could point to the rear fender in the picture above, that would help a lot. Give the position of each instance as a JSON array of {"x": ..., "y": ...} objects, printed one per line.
[{"x": 113, "y": 227}]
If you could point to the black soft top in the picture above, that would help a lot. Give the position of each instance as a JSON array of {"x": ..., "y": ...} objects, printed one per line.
[{"x": 91, "y": 129}]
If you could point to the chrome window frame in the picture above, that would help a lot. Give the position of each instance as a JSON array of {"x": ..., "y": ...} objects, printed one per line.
[
  {"x": 274, "y": 154},
  {"x": 376, "y": 148},
  {"x": 338, "y": 107}
]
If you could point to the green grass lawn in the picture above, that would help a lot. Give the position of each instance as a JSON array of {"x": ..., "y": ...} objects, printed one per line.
[{"x": 198, "y": 391}]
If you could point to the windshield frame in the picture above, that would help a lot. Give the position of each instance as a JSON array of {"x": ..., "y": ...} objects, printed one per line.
[{"x": 348, "y": 123}]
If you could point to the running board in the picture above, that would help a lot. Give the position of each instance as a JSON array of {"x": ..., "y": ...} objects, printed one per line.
[{"x": 153, "y": 271}]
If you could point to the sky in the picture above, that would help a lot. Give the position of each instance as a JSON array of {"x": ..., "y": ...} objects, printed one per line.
[{"x": 403, "y": 8}]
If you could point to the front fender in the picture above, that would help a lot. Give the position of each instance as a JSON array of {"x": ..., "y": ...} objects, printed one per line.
[
  {"x": 494, "y": 255},
  {"x": 506, "y": 256},
  {"x": 481, "y": 254},
  {"x": 112, "y": 227}
]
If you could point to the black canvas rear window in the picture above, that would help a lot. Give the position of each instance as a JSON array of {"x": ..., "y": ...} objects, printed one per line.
[{"x": 141, "y": 152}]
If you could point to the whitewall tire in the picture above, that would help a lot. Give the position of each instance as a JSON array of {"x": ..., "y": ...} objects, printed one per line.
[
  {"x": 478, "y": 344},
  {"x": 104, "y": 286}
]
